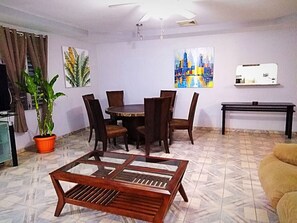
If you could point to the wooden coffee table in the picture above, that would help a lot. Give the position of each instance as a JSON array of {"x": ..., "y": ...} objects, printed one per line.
[{"x": 141, "y": 187}]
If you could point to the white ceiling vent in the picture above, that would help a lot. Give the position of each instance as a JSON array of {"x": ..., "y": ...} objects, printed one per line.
[{"x": 190, "y": 22}]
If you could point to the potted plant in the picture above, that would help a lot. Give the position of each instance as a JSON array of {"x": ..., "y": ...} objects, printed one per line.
[{"x": 42, "y": 90}]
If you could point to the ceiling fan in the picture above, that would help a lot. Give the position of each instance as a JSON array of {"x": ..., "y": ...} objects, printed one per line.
[{"x": 160, "y": 9}]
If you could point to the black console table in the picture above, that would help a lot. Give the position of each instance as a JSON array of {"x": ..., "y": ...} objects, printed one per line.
[{"x": 261, "y": 107}]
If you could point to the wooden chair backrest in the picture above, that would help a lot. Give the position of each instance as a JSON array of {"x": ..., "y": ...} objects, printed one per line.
[
  {"x": 192, "y": 109},
  {"x": 99, "y": 123},
  {"x": 86, "y": 99},
  {"x": 169, "y": 93},
  {"x": 156, "y": 118},
  {"x": 115, "y": 98}
]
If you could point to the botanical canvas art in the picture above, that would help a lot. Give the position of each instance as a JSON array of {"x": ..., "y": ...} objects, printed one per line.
[
  {"x": 194, "y": 68},
  {"x": 76, "y": 67}
]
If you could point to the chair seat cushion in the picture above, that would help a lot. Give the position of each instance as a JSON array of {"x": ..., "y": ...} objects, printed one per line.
[
  {"x": 177, "y": 123},
  {"x": 115, "y": 130}
]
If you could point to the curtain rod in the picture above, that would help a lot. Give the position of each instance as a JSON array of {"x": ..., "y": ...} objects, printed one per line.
[{"x": 23, "y": 33}]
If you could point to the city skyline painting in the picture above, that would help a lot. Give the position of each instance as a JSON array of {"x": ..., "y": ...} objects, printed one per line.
[{"x": 194, "y": 68}]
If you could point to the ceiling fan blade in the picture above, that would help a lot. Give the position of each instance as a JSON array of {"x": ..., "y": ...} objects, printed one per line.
[
  {"x": 145, "y": 18},
  {"x": 115, "y": 3},
  {"x": 192, "y": 0},
  {"x": 187, "y": 14}
]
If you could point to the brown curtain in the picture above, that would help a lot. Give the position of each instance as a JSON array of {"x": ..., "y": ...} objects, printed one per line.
[
  {"x": 37, "y": 49},
  {"x": 13, "y": 48}
]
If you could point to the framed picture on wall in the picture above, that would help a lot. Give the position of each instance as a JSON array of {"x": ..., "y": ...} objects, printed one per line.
[
  {"x": 194, "y": 68},
  {"x": 76, "y": 67}
]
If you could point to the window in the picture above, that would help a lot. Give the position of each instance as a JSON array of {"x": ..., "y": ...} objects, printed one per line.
[{"x": 24, "y": 97}]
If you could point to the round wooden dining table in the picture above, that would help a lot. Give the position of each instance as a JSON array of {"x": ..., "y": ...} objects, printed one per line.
[{"x": 132, "y": 116}]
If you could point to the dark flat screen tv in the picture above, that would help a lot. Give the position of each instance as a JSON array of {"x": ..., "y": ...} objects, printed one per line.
[{"x": 4, "y": 92}]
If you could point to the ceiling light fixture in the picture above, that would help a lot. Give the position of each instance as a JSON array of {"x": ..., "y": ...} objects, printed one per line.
[
  {"x": 138, "y": 31},
  {"x": 161, "y": 10},
  {"x": 188, "y": 22}
]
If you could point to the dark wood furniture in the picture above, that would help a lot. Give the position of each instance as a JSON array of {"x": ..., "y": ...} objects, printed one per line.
[
  {"x": 185, "y": 124},
  {"x": 135, "y": 186},
  {"x": 132, "y": 116},
  {"x": 115, "y": 98},
  {"x": 86, "y": 98},
  {"x": 288, "y": 108},
  {"x": 172, "y": 95},
  {"x": 132, "y": 110},
  {"x": 103, "y": 132},
  {"x": 156, "y": 111}
]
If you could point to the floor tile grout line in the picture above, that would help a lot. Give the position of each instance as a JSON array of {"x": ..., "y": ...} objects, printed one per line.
[
  {"x": 216, "y": 148},
  {"x": 251, "y": 184}
]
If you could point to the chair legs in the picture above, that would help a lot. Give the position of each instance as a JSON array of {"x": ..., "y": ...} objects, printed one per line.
[
  {"x": 137, "y": 142},
  {"x": 191, "y": 136},
  {"x": 170, "y": 135},
  {"x": 91, "y": 132},
  {"x": 166, "y": 145},
  {"x": 96, "y": 143},
  {"x": 147, "y": 148},
  {"x": 104, "y": 144},
  {"x": 126, "y": 142},
  {"x": 189, "y": 132}
]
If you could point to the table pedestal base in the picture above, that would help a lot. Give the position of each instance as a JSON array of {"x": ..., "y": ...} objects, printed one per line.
[{"x": 131, "y": 123}]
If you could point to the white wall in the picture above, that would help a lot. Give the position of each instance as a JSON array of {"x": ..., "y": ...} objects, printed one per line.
[
  {"x": 143, "y": 68},
  {"x": 69, "y": 112}
]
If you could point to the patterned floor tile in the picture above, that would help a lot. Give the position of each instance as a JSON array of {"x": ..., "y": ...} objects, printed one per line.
[{"x": 221, "y": 180}]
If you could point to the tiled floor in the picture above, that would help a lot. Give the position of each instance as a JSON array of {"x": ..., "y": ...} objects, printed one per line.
[{"x": 221, "y": 180}]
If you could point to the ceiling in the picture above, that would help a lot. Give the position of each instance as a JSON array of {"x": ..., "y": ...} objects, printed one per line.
[{"x": 94, "y": 21}]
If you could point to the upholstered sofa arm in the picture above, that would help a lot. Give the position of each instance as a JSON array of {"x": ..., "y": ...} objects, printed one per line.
[
  {"x": 277, "y": 178},
  {"x": 286, "y": 153},
  {"x": 287, "y": 208}
]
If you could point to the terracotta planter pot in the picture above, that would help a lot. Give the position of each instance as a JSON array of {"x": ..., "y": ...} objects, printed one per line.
[{"x": 45, "y": 144}]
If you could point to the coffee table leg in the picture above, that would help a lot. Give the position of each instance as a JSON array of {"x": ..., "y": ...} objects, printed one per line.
[
  {"x": 183, "y": 193},
  {"x": 60, "y": 194},
  {"x": 59, "y": 207}
]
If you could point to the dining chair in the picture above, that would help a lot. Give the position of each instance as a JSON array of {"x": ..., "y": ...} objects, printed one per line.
[
  {"x": 172, "y": 95},
  {"x": 86, "y": 98},
  {"x": 104, "y": 131},
  {"x": 156, "y": 114},
  {"x": 115, "y": 98},
  {"x": 184, "y": 124}
]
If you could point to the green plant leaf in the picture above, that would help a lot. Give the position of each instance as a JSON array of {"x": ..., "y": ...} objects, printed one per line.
[{"x": 40, "y": 88}]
